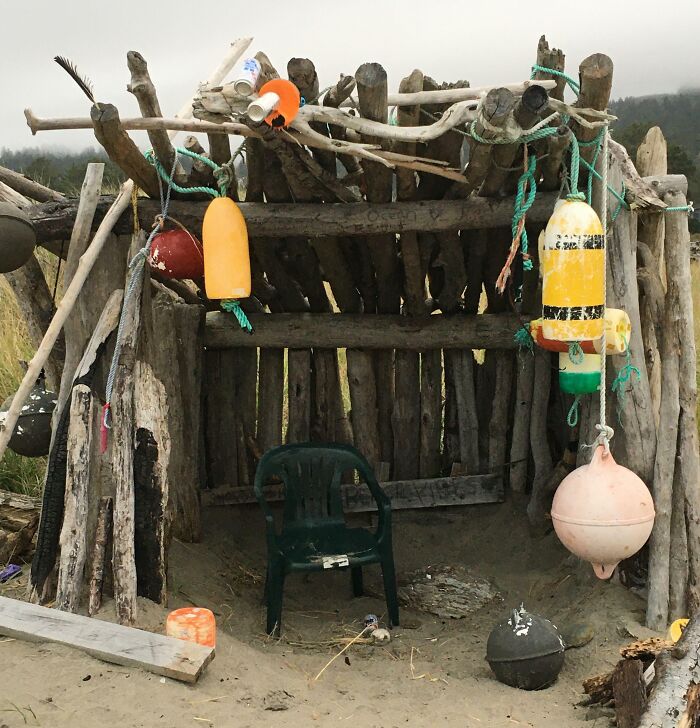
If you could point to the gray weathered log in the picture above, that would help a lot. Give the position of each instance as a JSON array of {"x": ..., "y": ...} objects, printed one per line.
[
  {"x": 483, "y": 331},
  {"x": 97, "y": 567},
  {"x": 676, "y": 254},
  {"x": 595, "y": 80},
  {"x": 501, "y": 414},
  {"x": 28, "y": 187},
  {"x": 520, "y": 443},
  {"x": 363, "y": 398},
  {"x": 122, "y": 455},
  {"x": 462, "y": 363},
  {"x": 141, "y": 86},
  {"x": 121, "y": 149},
  {"x": 54, "y": 221},
  {"x": 73, "y": 538},
  {"x": 539, "y": 441}
]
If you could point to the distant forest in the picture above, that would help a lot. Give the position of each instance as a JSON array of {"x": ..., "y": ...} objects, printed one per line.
[{"x": 678, "y": 115}]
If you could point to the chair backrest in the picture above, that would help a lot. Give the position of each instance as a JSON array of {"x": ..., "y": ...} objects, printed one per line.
[{"x": 311, "y": 474}]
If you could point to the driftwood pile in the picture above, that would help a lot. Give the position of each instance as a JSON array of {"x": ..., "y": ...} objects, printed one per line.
[{"x": 374, "y": 250}]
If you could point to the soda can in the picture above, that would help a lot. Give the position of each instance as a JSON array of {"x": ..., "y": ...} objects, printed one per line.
[{"x": 247, "y": 80}]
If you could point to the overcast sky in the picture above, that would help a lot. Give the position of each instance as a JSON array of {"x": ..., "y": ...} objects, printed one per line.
[{"x": 655, "y": 46}]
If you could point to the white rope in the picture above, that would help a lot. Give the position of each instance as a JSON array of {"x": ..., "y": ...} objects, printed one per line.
[{"x": 605, "y": 431}]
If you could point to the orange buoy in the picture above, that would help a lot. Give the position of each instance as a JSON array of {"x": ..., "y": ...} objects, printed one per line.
[
  {"x": 226, "y": 257},
  {"x": 279, "y": 111},
  {"x": 194, "y": 624}
]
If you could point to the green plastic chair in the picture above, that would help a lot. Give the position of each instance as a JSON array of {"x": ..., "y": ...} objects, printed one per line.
[{"x": 314, "y": 535}]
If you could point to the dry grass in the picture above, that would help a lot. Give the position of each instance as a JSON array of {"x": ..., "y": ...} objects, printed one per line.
[{"x": 17, "y": 473}]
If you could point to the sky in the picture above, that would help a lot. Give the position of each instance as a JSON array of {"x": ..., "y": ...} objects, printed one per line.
[{"x": 655, "y": 48}]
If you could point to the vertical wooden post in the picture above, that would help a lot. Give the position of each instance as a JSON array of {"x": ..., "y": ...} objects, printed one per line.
[
  {"x": 539, "y": 442},
  {"x": 73, "y": 538},
  {"x": 520, "y": 445},
  {"x": 430, "y": 413},
  {"x": 122, "y": 450},
  {"x": 363, "y": 396},
  {"x": 220, "y": 405},
  {"x": 299, "y": 388},
  {"x": 498, "y": 425},
  {"x": 270, "y": 397},
  {"x": 462, "y": 362},
  {"x": 97, "y": 567}
]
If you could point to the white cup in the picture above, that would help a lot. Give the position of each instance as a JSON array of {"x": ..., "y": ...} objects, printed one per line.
[{"x": 263, "y": 106}]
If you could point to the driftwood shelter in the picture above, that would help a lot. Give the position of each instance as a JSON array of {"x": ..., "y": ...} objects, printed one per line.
[{"x": 379, "y": 223}]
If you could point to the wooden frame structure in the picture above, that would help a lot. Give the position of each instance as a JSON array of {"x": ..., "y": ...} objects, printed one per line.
[{"x": 374, "y": 255}]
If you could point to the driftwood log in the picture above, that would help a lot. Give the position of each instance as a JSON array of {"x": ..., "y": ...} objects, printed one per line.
[{"x": 103, "y": 535}]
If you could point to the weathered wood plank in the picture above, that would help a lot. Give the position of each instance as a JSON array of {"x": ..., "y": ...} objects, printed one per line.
[
  {"x": 430, "y": 412},
  {"x": 379, "y": 331},
  {"x": 404, "y": 494},
  {"x": 73, "y": 538},
  {"x": 629, "y": 692},
  {"x": 177, "y": 659},
  {"x": 54, "y": 220}
]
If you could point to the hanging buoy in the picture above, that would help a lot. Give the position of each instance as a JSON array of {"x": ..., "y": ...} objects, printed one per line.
[
  {"x": 32, "y": 435},
  {"x": 603, "y": 513},
  {"x": 278, "y": 103},
  {"x": 226, "y": 257},
  {"x": 17, "y": 238},
  {"x": 177, "y": 254},
  {"x": 572, "y": 261},
  {"x": 618, "y": 330},
  {"x": 579, "y": 377}
]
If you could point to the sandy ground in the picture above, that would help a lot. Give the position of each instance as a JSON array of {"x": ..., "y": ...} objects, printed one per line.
[{"x": 433, "y": 672}]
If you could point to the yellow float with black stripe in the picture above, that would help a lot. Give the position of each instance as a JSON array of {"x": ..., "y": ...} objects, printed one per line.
[{"x": 572, "y": 261}]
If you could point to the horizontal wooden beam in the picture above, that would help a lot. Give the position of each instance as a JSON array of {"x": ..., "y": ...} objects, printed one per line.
[
  {"x": 404, "y": 494},
  {"x": 358, "y": 331},
  {"x": 54, "y": 220}
]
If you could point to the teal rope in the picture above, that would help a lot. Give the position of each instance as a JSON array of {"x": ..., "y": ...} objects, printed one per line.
[
  {"x": 233, "y": 306},
  {"x": 524, "y": 340},
  {"x": 624, "y": 375},
  {"x": 522, "y": 205},
  {"x": 574, "y": 194},
  {"x": 543, "y": 133},
  {"x": 572, "y": 416},
  {"x": 576, "y": 353},
  {"x": 620, "y": 202},
  {"x": 152, "y": 159},
  {"x": 573, "y": 85},
  {"x": 681, "y": 208}
]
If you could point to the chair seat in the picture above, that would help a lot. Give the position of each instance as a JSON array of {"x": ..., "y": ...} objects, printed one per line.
[{"x": 304, "y": 549}]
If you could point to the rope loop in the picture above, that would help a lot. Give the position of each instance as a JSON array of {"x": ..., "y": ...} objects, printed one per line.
[
  {"x": 573, "y": 85},
  {"x": 572, "y": 416},
  {"x": 576, "y": 353}
]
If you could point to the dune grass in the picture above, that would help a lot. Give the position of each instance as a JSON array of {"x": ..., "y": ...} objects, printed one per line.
[{"x": 17, "y": 473}]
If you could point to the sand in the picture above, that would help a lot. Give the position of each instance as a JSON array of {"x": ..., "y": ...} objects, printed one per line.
[{"x": 433, "y": 671}]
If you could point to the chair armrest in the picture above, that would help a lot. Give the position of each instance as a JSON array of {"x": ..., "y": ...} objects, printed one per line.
[{"x": 381, "y": 499}]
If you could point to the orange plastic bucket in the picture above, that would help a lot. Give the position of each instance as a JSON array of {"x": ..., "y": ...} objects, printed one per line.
[{"x": 194, "y": 624}]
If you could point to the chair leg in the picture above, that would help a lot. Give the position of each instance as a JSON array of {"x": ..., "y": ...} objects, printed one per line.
[
  {"x": 392, "y": 601},
  {"x": 275, "y": 591},
  {"x": 357, "y": 587}
]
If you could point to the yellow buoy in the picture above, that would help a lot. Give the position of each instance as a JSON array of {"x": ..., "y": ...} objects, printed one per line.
[
  {"x": 572, "y": 261},
  {"x": 226, "y": 257},
  {"x": 618, "y": 330},
  {"x": 675, "y": 631}
]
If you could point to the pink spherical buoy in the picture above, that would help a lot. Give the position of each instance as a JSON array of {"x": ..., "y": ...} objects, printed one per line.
[
  {"x": 177, "y": 254},
  {"x": 603, "y": 513}
]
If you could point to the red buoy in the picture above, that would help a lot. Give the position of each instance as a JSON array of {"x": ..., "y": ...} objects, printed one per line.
[{"x": 177, "y": 254}]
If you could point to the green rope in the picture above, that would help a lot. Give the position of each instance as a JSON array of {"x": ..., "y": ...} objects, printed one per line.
[
  {"x": 522, "y": 205},
  {"x": 574, "y": 194},
  {"x": 681, "y": 208},
  {"x": 523, "y": 338},
  {"x": 621, "y": 200},
  {"x": 624, "y": 375},
  {"x": 572, "y": 416},
  {"x": 573, "y": 85},
  {"x": 543, "y": 133},
  {"x": 576, "y": 352},
  {"x": 231, "y": 305}
]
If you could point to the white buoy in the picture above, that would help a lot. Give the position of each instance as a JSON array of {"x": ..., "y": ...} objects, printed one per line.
[
  {"x": 247, "y": 81},
  {"x": 263, "y": 106}
]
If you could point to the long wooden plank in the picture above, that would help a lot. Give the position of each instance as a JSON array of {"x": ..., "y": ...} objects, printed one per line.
[
  {"x": 177, "y": 659},
  {"x": 54, "y": 220},
  {"x": 404, "y": 494},
  {"x": 359, "y": 331}
]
